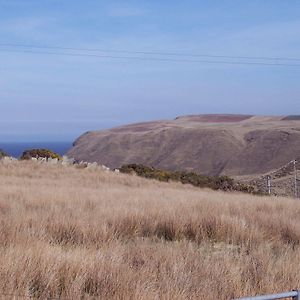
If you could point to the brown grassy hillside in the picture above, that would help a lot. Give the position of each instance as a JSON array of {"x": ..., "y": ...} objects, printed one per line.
[
  {"x": 207, "y": 144},
  {"x": 89, "y": 234}
]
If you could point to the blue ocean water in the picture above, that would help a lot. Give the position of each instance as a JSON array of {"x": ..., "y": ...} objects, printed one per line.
[{"x": 16, "y": 149}]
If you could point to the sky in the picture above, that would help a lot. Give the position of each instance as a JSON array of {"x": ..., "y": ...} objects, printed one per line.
[{"x": 56, "y": 96}]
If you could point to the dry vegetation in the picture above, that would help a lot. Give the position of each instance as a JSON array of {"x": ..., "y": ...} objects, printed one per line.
[{"x": 88, "y": 234}]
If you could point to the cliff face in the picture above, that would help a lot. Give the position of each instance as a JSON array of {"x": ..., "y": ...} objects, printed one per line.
[{"x": 208, "y": 144}]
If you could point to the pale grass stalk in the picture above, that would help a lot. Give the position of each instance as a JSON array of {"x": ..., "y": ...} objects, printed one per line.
[{"x": 89, "y": 234}]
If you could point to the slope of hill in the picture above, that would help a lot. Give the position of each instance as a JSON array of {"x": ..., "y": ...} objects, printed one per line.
[
  {"x": 207, "y": 144},
  {"x": 69, "y": 233},
  {"x": 282, "y": 182}
]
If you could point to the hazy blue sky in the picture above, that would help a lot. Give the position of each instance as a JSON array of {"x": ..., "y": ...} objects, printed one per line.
[{"x": 58, "y": 97}]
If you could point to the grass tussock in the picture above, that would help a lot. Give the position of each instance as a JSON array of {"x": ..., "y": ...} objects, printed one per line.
[{"x": 87, "y": 234}]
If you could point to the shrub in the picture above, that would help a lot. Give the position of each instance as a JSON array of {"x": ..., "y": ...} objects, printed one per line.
[
  {"x": 3, "y": 153},
  {"x": 223, "y": 183},
  {"x": 28, "y": 154}
]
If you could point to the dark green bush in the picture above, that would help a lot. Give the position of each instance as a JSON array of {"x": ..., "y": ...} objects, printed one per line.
[
  {"x": 3, "y": 153},
  {"x": 28, "y": 154},
  {"x": 223, "y": 183}
]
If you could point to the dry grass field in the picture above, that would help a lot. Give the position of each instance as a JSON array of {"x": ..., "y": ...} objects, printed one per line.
[{"x": 70, "y": 233}]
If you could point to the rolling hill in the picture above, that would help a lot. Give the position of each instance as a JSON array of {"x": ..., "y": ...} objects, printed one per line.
[{"x": 209, "y": 144}]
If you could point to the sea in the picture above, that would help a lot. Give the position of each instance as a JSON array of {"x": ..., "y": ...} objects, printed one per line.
[{"x": 17, "y": 148}]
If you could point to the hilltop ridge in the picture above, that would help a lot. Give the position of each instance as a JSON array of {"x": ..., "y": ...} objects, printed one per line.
[{"x": 215, "y": 144}]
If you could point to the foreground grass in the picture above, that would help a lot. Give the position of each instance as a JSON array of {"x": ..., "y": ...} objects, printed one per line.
[{"x": 87, "y": 234}]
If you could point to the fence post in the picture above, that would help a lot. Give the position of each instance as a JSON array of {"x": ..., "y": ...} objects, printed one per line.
[
  {"x": 269, "y": 185},
  {"x": 295, "y": 179}
]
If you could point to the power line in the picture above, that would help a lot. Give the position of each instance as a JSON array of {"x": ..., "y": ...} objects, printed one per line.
[
  {"x": 152, "y": 52},
  {"x": 151, "y": 58}
]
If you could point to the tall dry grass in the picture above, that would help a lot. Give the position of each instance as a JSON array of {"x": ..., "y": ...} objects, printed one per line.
[{"x": 89, "y": 234}]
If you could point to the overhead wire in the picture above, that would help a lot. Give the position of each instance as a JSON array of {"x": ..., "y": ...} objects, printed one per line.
[
  {"x": 150, "y": 58},
  {"x": 149, "y": 52}
]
